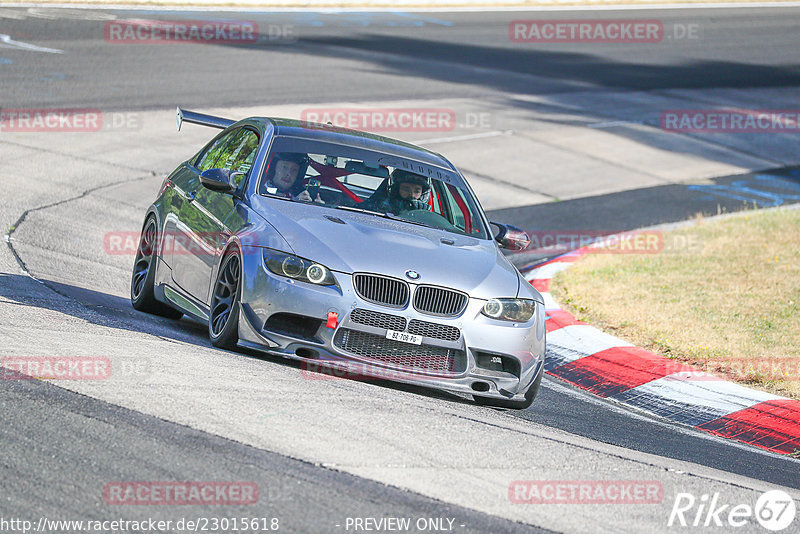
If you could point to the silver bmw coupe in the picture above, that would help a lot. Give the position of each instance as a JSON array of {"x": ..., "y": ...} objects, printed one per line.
[{"x": 348, "y": 251}]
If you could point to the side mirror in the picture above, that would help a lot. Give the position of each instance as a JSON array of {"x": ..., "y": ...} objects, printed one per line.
[
  {"x": 218, "y": 180},
  {"x": 511, "y": 237}
]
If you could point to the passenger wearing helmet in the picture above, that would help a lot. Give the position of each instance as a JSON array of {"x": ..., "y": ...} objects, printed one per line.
[
  {"x": 284, "y": 176},
  {"x": 408, "y": 191}
]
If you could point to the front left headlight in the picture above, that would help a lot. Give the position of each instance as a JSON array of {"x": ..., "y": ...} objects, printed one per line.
[
  {"x": 516, "y": 310},
  {"x": 298, "y": 268}
]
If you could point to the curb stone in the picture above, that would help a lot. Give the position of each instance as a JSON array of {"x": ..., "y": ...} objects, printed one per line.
[{"x": 611, "y": 368}]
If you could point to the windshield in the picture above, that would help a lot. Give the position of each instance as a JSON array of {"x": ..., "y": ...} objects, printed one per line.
[{"x": 344, "y": 177}]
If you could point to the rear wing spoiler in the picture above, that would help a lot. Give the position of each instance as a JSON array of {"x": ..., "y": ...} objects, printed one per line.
[{"x": 184, "y": 115}]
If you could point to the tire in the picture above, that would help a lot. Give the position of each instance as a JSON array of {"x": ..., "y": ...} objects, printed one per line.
[
  {"x": 513, "y": 405},
  {"x": 144, "y": 273},
  {"x": 223, "y": 319}
]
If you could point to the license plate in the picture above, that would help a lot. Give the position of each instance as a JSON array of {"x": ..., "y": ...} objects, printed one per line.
[{"x": 405, "y": 337}]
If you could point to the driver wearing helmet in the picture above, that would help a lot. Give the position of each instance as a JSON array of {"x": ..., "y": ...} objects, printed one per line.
[
  {"x": 408, "y": 192},
  {"x": 284, "y": 176}
]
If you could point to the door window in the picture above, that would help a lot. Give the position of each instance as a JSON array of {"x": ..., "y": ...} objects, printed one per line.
[{"x": 234, "y": 151}]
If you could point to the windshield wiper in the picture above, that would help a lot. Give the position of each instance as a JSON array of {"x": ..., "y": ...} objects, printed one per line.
[
  {"x": 360, "y": 210},
  {"x": 419, "y": 223}
]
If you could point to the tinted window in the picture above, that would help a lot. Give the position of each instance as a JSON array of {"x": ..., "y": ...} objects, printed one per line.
[{"x": 234, "y": 151}]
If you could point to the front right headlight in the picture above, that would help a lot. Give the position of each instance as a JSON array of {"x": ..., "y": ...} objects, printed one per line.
[
  {"x": 516, "y": 310},
  {"x": 298, "y": 268}
]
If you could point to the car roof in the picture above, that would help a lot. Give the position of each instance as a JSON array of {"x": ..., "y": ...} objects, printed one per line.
[{"x": 356, "y": 139}]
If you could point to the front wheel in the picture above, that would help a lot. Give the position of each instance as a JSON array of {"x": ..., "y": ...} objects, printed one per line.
[
  {"x": 513, "y": 405},
  {"x": 223, "y": 322},
  {"x": 144, "y": 273}
]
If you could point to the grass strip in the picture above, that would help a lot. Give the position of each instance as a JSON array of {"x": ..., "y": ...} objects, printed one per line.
[{"x": 723, "y": 295}]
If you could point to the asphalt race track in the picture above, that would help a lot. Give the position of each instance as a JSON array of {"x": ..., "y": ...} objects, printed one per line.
[{"x": 324, "y": 452}]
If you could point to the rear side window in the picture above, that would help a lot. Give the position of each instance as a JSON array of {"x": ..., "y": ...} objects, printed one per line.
[{"x": 234, "y": 151}]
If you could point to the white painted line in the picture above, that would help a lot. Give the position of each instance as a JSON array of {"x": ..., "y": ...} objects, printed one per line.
[
  {"x": 6, "y": 39},
  {"x": 549, "y": 301},
  {"x": 61, "y": 14},
  {"x": 582, "y": 340},
  {"x": 11, "y": 14},
  {"x": 468, "y": 137},
  {"x": 611, "y": 124},
  {"x": 547, "y": 271}
]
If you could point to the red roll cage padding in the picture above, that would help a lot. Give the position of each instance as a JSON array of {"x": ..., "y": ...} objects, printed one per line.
[
  {"x": 463, "y": 207},
  {"x": 328, "y": 176},
  {"x": 438, "y": 199}
]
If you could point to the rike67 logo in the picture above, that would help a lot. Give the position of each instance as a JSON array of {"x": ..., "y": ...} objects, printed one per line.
[{"x": 774, "y": 510}]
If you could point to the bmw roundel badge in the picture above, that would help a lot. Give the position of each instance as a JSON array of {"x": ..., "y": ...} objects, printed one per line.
[{"x": 412, "y": 275}]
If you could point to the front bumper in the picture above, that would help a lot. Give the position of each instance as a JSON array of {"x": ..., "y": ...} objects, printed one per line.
[{"x": 451, "y": 357}]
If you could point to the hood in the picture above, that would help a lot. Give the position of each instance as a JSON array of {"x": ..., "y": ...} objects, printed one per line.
[{"x": 355, "y": 242}]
